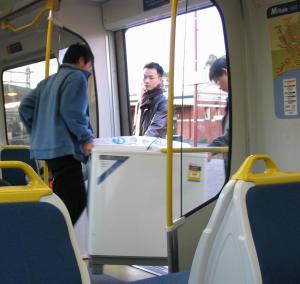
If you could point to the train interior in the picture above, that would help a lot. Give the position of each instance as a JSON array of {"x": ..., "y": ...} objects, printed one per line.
[{"x": 132, "y": 229}]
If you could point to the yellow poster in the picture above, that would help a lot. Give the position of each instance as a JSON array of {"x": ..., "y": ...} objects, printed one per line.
[
  {"x": 284, "y": 27},
  {"x": 194, "y": 173}
]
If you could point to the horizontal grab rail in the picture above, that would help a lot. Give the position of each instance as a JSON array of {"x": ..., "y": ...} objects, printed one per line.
[
  {"x": 14, "y": 147},
  {"x": 198, "y": 150}
]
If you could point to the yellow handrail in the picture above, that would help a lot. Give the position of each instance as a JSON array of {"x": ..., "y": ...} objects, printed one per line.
[
  {"x": 271, "y": 174},
  {"x": 7, "y": 25},
  {"x": 24, "y": 147},
  {"x": 169, "y": 157},
  {"x": 50, "y": 6},
  {"x": 46, "y": 173},
  {"x": 198, "y": 150},
  {"x": 14, "y": 147},
  {"x": 33, "y": 191}
]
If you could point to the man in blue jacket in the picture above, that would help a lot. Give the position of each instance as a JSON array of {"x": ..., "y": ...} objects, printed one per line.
[{"x": 56, "y": 116}]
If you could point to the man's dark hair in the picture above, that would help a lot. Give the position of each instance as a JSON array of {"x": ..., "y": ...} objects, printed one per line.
[
  {"x": 217, "y": 68},
  {"x": 156, "y": 66},
  {"x": 77, "y": 50}
]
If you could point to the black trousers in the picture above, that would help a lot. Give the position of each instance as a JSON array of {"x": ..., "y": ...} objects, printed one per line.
[{"x": 68, "y": 184}]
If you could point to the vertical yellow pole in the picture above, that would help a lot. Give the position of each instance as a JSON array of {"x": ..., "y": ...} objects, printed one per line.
[
  {"x": 50, "y": 6},
  {"x": 169, "y": 181}
]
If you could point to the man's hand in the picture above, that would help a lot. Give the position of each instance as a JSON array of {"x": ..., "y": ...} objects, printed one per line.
[
  {"x": 87, "y": 149},
  {"x": 209, "y": 156},
  {"x": 143, "y": 91}
]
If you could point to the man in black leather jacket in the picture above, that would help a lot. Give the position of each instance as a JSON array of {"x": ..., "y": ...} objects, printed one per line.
[{"x": 152, "y": 120}]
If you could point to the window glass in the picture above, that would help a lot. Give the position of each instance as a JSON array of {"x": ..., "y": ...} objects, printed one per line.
[{"x": 18, "y": 82}]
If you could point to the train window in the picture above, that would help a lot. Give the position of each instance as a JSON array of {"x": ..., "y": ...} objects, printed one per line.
[
  {"x": 199, "y": 104},
  {"x": 17, "y": 82},
  {"x": 207, "y": 113}
]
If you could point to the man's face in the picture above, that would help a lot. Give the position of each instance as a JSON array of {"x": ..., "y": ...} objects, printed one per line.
[
  {"x": 222, "y": 81},
  {"x": 151, "y": 79}
]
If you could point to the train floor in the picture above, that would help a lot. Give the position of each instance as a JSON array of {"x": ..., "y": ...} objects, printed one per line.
[{"x": 117, "y": 274}]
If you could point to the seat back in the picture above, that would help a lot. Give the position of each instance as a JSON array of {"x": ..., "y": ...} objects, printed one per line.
[
  {"x": 35, "y": 245},
  {"x": 17, "y": 153},
  {"x": 253, "y": 229},
  {"x": 274, "y": 218},
  {"x": 37, "y": 239}
]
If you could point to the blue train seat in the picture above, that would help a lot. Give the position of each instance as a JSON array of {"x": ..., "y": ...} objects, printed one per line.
[
  {"x": 253, "y": 234},
  {"x": 14, "y": 153},
  {"x": 275, "y": 225},
  {"x": 37, "y": 239}
]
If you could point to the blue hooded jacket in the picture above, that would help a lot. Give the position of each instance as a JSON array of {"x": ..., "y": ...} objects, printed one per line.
[{"x": 56, "y": 115}]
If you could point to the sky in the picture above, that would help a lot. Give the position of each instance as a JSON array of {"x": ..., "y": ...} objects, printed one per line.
[{"x": 150, "y": 42}]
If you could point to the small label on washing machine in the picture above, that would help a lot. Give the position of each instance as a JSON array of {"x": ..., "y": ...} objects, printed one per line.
[{"x": 194, "y": 173}]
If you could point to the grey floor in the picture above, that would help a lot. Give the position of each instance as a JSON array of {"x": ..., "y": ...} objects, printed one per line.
[{"x": 117, "y": 274}]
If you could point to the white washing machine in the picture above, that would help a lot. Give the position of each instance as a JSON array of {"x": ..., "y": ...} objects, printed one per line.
[{"x": 127, "y": 195}]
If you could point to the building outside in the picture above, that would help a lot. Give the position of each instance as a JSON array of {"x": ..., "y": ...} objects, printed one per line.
[{"x": 196, "y": 125}]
